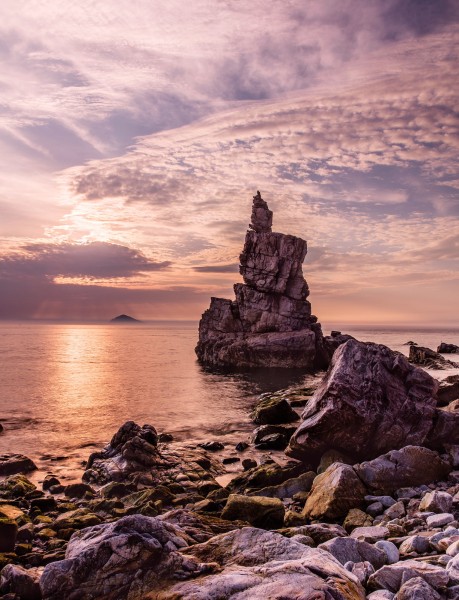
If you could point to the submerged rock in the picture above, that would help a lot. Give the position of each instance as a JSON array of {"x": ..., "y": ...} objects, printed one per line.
[
  {"x": 270, "y": 323},
  {"x": 370, "y": 401}
]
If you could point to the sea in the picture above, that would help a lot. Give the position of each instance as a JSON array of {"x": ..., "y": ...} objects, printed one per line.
[{"x": 66, "y": 388}]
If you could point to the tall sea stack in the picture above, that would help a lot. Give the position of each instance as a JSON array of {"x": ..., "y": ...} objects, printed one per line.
[{"x": 270, "y": 322}]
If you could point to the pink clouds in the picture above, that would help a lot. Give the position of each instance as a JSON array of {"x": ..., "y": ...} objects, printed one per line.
[{"x": 170, "y": 115}]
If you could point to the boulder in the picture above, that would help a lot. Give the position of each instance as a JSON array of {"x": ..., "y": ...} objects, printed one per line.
[
  {"x": 22, "y": 582},
  {"x": 133, "y": 457},
  {"x": 334, "y": 493},
  {"x": 429, "y": 359},
  {"x": 334, "y": 340},
  {"x": 417, "y": 589},
  {"x": 391, "y": 577},
  {"x": 265, "y": 475},
  {"x": 370, "y": 401},
  {"x": 270, "y": 323},
  {"x": 412, "y": 465},
  {"x": 10, "y": 464},
  {"x": 258, "y": 565},
  {"x": 289, "y": 488},
  {"x": 260, "y": 511},
  {"x": 453, "y": 569},
  {"x": 118, "y": 559},
  {"x": 436, "y": 501},
  {"x": 16, "y": 486},
  {"x": 347, "y": 549}
]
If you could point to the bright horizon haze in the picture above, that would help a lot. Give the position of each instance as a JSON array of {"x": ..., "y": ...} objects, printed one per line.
[{"x": 134, "y": 135}]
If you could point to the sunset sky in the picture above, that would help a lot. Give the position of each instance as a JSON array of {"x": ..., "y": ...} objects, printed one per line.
[{"x": 134, "y": 133}]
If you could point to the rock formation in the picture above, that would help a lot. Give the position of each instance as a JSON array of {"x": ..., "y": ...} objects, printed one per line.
[
  {"x": 270, "y": 323},
  {"x": 371, "y": 401}
]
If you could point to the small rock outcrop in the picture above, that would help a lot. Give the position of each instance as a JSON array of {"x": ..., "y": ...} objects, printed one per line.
[
  {"x": 270, "y": 323},
  {"x": 425, "y": 357},
  {"x": 448, "y": 348},
  {"x": 371, "y": 400}
]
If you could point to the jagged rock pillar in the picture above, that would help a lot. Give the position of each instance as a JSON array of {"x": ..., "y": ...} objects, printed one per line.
[{"x": 270, "y": 323}]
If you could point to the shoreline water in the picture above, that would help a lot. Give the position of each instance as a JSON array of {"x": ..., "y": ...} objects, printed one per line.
[{"x": 99, "y": 376}]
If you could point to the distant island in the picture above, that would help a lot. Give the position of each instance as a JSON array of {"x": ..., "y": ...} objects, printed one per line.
[{"x": 124, "y": 319}]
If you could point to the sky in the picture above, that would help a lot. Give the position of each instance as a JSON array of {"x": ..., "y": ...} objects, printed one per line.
[{"x": 133, "y": 136}]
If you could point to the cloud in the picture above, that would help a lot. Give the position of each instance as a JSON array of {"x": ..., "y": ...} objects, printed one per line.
[{"x": 96, "y": 260}]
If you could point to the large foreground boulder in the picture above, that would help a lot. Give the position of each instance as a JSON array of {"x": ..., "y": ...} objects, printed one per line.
[
  {"x": 270, "y": 323},
  {"x": 144, "y": 557},
  {"x": 371, "y": 400}
]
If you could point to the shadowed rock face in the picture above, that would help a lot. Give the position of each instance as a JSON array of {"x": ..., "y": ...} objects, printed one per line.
[
  {"x": 371, "y": 400},
  {"x": 270, "y": 323}
]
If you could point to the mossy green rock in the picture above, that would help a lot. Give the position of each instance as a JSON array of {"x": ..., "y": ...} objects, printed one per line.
[
  {"x": 76, "y": 519},
  {"x": 259, "y": 511},
  {"x": 273, "y": 410},
  {"x": 16, "y": 486},
  {"x": 266, "y": 475}
]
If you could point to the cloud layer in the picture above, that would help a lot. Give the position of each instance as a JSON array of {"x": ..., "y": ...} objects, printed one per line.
[{"x": 150, "y": 127}]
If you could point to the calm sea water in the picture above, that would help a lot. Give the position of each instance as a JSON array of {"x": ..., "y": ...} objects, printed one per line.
[{"x": 65, "y": 388}]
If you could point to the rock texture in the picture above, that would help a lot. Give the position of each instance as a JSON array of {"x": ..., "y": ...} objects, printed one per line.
[
  {"x": 270, "y": 323},
  {"x": 371, "y": 400}
]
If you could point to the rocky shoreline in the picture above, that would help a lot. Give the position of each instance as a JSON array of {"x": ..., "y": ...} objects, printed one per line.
[{"x": 367, "y": 505}]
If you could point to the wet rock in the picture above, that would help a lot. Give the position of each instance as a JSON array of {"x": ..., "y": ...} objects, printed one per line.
[
  {"x": 45, "y": 504},
  {"x": 165, "y": 438},
  {"x": 429, "y": 359},
  {"x": 273, "y": 410},
  {"x": 248, "y": 464},
  {"x": 260, "y": 511},
  {"x": 436, "y": 501},
  {"x": 409, "y": 466},
  {"x": 212, "y": 446},
  {"x": 49, "y": 481},
  {"x": 116, "y": 489},
  {"x": 448, "y": 348},
  {"x": 241, "y": 446},
  {"x": 370, "y": 401},
  {"x": 24, "y": 583},
  {"x": 417, "y": 589},
  {"x": 229, "y": 460},
  {"x": 334, "y": 493},
  {"x": 270, "y": 322},
  {"x": 347, "y": 549},
  {"x": 272, "y": 436},
  {"x": 78, "y": 490},
  {"x": 392, "y": 576},
  {"x": 10, "y": 464}
]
